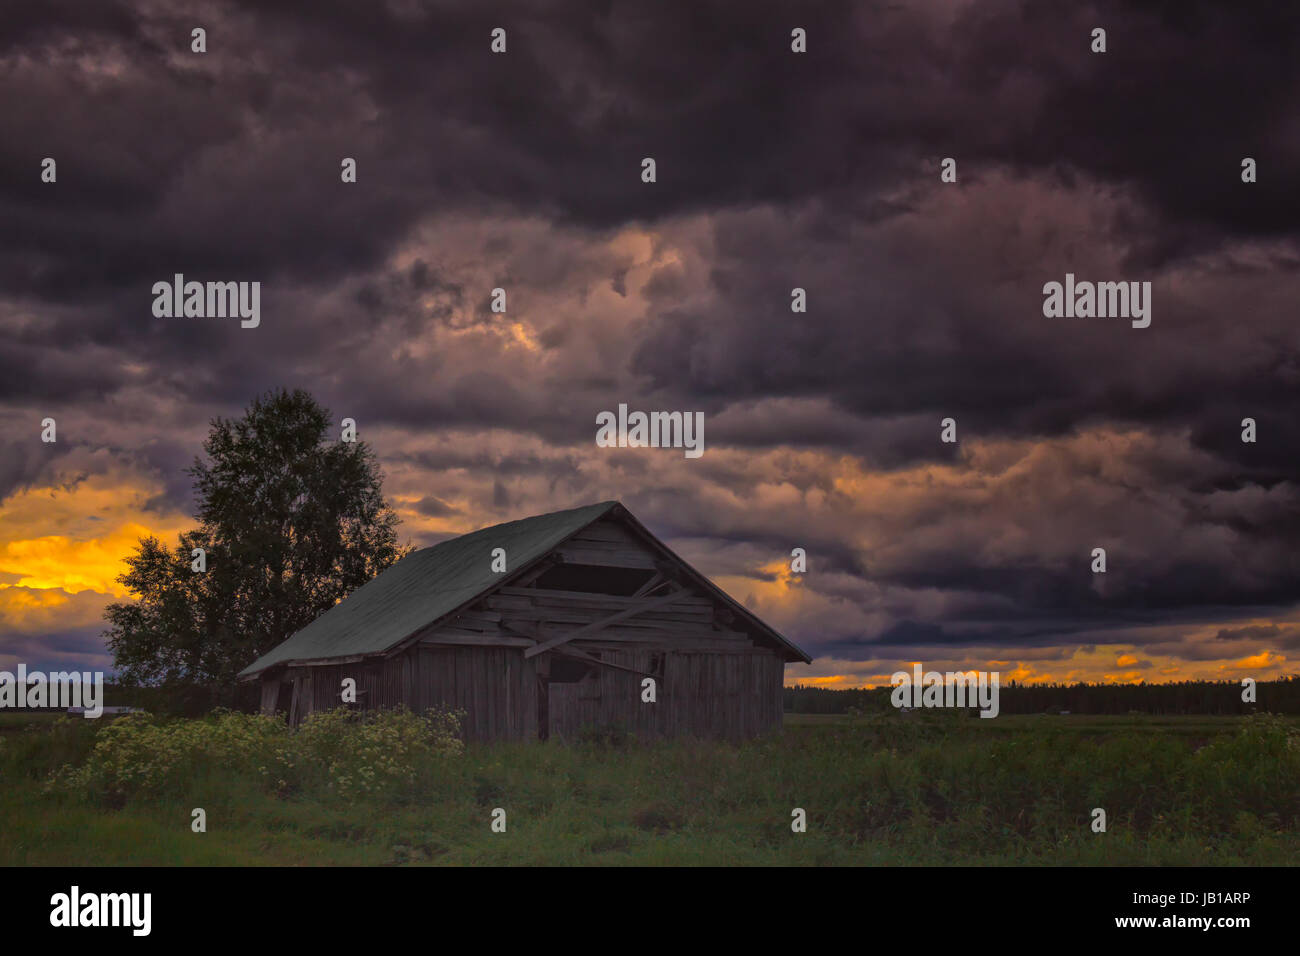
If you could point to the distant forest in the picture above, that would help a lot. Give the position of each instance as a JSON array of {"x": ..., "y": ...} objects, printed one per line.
[{"x": 1186, "y": 697}]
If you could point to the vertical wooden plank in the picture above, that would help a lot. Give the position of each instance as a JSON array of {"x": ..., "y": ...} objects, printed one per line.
[
  {"x": 668, "y": 717},
  {"x": 491, "y": 680},
  {"x": 543, "y": 707},
  {"x": 778, "y": 681},
  {"x": 729, "y": 667},
  {"x": 725, "y": 662},
  {"x": 307, "y": 687},
  {"x": 510, "y": 695},
  {"x": 486, "y": 657},
  {"x": 478, "y": 672},
  {"x": 438, "y": 682},
  {"x": 419, "y": 698},
  {"x": 465, "y": 691},
  {"x": 270, "y": 692},
  {"x": 527, "y": 686},
  {"x": 424, "y": 665},
  {"x": 743, "y": 696},
  {"x": 455, "y": 671},
  {"x": 492, "y": 677}
]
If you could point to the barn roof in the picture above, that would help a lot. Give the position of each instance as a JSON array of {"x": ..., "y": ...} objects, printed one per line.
[{"x": 432, "y": 583}]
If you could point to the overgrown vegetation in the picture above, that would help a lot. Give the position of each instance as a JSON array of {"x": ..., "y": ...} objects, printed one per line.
[
  {"x": 335, "y": 755},
  {"x": 929, "y": 788}
]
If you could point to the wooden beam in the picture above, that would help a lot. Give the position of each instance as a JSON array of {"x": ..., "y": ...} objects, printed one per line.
[
  {"x": 596, "y": 626},
  {"x": 620, "y": 601},
  {"x": 476, "y": 640},
  {"x": 324, "y": 661},
  {"x": 673, "y": 616},
  {"x": 478, "y": 616},
  {"x": 691, "y": 646},
  {"x": 656, "y": 581},
  {"x": 634, "y": 632},
  {"x": 607, "y": 531},
  {"x": 649, "y": 635},
  {"x": 581, "y": 655},
  {"x": 638, "y": 560}
]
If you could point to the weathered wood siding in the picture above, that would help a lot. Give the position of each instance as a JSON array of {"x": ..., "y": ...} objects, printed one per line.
[
  {"x": 270, "y": 693},
  {"x": 731, "y": 695},
  {"x": 724, "y": 695},
  {"x": 495, "y": 687}
]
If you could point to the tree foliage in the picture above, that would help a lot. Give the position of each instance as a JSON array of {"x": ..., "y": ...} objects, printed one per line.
[{"x": 291, "y": 522}]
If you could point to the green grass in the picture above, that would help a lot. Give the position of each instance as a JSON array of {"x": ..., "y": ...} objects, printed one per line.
[{"x": 926, "y": 789}]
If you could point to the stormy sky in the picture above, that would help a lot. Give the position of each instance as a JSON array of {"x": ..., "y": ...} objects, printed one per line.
[{"x": 820, "y": 170}]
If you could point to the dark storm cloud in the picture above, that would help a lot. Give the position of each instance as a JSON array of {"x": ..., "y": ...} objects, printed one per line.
[
  {"x": 239, "y": 140},
  {"x": 217, "y": 157},
  {"x": 775, "y": 171},
  {"x": 23, "y": 461},
  {"x": 435, "y": 507}
]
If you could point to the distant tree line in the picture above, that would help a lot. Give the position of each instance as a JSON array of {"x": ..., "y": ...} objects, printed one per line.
[
  {"x": 1184, "y": 697},
  {"x": 179, "y": 700}
]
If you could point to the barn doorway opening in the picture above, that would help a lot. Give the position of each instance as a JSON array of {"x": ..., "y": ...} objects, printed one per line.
[{"x": 284, "y": 697}]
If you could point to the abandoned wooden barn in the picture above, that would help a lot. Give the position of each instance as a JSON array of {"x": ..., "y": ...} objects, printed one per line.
[{"x": 591, "y": 603}]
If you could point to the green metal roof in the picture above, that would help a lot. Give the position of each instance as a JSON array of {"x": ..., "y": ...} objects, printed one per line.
[
  {"x": 424, "y": 586},
  {"x": 429, "y": 584}
]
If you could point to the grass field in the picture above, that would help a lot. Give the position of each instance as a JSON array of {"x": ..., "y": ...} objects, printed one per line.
[{"x": 924, "y": 789}]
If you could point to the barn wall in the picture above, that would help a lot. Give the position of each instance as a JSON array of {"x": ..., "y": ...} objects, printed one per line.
[
  {"x": 721, "y": 695},
  {"x": 495, "y": 687},
  {"x": 732, "y": 695}
]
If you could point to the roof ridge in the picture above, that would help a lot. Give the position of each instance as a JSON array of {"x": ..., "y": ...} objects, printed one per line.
[{"x": 607, "y": 504}]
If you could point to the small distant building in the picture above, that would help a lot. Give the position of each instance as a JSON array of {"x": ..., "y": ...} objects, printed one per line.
[
  {"x": 104, "y": 711},
  {"x": 590, "y": 606}
]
